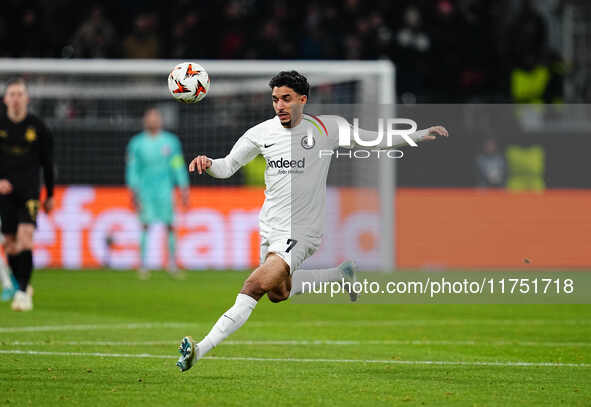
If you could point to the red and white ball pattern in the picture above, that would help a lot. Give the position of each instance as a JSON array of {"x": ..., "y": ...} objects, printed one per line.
[{"x": 188, "y": 82}]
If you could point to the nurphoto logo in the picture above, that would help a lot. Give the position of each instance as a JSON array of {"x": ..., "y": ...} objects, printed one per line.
[
  {"x": 389, "y": 129},
  {"x": 382, "y": 142}
]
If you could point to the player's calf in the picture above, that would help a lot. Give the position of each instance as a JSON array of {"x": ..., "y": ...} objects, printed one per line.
[
  {"x": 273, "y": 274},
  {"x": 277, "y": 297},
  {"x": 280, "y": 292},
  {"x": 227, "y": 324}
]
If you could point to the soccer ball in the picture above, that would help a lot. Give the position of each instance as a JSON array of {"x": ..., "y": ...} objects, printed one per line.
[{"x": 188, "y": 82}]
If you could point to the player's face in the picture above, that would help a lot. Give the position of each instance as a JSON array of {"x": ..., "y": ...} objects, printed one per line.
[
  {"x": 152, "y": 121},
  {"x": 288, "y": 105},
  {"x": 16, "y": 98}
]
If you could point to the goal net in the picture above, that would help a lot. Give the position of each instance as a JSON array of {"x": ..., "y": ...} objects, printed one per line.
[{"x": 94, "y": 107}]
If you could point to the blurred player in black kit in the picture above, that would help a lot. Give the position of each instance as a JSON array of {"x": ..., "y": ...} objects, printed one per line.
[{"x": 26, "y": 147}]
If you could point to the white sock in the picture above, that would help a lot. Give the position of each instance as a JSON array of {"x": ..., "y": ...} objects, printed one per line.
[
  {"x": 228, "y": 323},
  {"x": 313, "y": 276},
  {"x": 4, "y": 274}
]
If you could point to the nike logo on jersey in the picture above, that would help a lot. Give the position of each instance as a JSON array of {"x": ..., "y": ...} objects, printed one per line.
[{"x": 269, "y": 145}]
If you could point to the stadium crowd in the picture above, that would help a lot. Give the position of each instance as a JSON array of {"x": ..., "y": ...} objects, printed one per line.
[{"x": 445, "y": 50}]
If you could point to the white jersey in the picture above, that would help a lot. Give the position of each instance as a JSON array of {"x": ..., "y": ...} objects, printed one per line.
[{"x": 295, "y": 175}]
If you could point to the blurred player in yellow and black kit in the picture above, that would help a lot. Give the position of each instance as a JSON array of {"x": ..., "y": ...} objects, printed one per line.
[{"x": 26, "y": 147}]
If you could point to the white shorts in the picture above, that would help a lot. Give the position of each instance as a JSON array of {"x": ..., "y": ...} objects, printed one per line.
[{"x": 292, "y": 251}]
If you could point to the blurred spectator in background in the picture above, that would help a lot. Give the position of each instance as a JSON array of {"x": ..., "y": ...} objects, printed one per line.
[
  {"x": 233, "y": 38},
  {"x": 448, "y": 59},
  {"x": 479, "y": 70},
  {"x": 528, "y": 40},
  {"x": 31, "y": 39},
  {"x": 143, "y": 41},
  {"x": 352, "y": 47},
  {"x": 184, "y": 32},
  {"x": 312, "y": 46},
  {"x": 317, "y": 44},
  {"x": 96, "y": 37},
  {"x": 276, "y": 45},
  {"x": 529, "y": 80},
  {"x": 539, "y": 79},
  {"x": 366, "y": 36},
  {"x": 4, "y": 39},
  {"x": 526, "y": 166},
  {"x": 490, "y": 166},
  {"x": 527, "y": 35},
  {"x": 557, "y": 69},
  {"x": 444, "y": 50},
  {"x": 412, "y": 45}
]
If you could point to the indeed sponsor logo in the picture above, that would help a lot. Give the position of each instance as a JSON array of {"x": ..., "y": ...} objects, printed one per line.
[{"x": 283, "y": 163}]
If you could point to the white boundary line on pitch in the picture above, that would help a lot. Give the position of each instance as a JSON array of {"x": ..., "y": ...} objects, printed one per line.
[
  {"x": 306, "y": 360},
  {"x": 93, "y": 327},
  {"x": 427, "y": 322},
  {"x": 307, "y": 343}
]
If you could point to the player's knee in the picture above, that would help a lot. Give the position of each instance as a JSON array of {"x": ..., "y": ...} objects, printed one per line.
[
  {"x": 24, "y": 240},
  {"x": 10, "y": 246},
  {"x": 24, "y": 244}
]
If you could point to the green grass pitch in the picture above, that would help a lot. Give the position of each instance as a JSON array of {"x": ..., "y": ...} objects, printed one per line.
[{"x": 107, "y": 339}]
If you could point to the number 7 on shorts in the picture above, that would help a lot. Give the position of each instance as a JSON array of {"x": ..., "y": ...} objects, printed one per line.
[{"x": 290, "y": 244}]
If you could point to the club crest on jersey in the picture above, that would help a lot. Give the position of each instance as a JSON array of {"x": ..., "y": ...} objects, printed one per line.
[
  {"x": 165, "y": 151},
  {"x": 3, "y": 134},
  {"x": 308, "y": 141},
  {"x": 30, "y": 134},
  {"x": 33, "y": 208}
]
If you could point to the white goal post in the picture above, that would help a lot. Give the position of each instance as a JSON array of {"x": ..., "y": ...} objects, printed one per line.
[{"x": 376, "y": 78}]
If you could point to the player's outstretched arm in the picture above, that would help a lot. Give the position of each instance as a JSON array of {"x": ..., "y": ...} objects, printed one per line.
[
  {"x": 433, "y": 132},
  {"x": 219, "y": 168},
  {"x": 428, "y": 134},
  {"x": 200, "y": 164},
  {"x": 242, "y": 153},
  {"x": 336, "y": 124}
]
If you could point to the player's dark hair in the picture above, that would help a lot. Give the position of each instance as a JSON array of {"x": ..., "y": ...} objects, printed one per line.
[
  {"x": 293, "y": 80},
  {"x": 15, "y": 80}
]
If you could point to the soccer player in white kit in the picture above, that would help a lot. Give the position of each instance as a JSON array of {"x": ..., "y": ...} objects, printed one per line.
[{"x": 291, "y": 219}]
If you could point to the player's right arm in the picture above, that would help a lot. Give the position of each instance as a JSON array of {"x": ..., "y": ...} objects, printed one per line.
[
  {"x": 46, "y": 141},
  {"x": 244, "y": 151},
  {"x": 131, "y": 176},
  {"x": 334, "y": 123},
  {"x": 132, "y": 170},
  {"x": 5, "y": 185}
]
